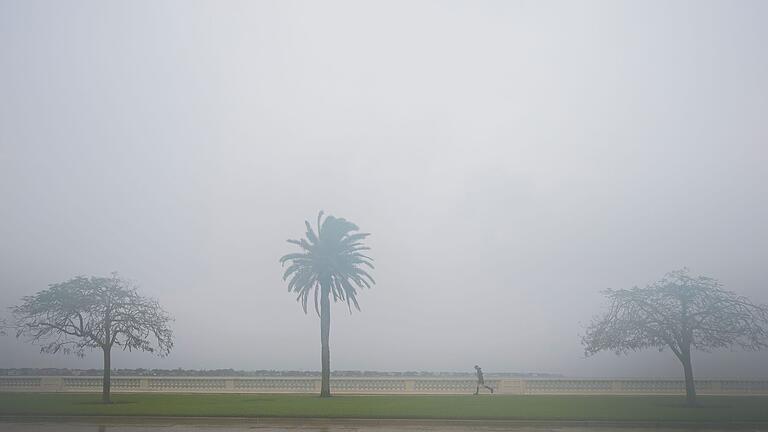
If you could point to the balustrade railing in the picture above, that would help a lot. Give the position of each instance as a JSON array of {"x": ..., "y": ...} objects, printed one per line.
[{"x": 383, "y": 385}]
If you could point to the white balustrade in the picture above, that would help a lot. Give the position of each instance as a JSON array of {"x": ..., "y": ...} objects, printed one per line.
[{"x": 405, "y": 385}]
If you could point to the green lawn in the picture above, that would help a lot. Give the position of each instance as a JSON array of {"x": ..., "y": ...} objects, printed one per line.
[{"x": 605, "y": 408}]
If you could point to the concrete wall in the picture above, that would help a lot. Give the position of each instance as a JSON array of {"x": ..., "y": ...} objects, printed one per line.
[{"x": 382, "y": 385}]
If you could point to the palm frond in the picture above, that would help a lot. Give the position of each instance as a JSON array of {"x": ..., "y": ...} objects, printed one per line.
[
  {"x": 330, "y": 262},
  {"x": 311, "y": 233}
]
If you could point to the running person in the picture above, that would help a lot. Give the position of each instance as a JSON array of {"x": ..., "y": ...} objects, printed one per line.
[{"x": 480, "y": 381}]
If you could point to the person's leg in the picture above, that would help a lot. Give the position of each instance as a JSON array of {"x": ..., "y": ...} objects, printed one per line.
[
  {"x": 477, "y": 391},
  {"x": 489, "y": 388}
]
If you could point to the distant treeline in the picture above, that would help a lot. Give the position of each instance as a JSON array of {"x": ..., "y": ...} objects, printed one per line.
[{"x": 258, "y": 373}]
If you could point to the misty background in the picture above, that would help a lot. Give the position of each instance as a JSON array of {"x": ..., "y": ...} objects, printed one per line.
[{"x": 511, "y": 160}]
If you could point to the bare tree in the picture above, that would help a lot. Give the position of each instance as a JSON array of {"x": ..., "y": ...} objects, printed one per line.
[
  {"x": 679, "y": 312},
  {"x": 86, "y": 313}
]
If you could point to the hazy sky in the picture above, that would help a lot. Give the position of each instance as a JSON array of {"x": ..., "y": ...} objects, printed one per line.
[{"x": 511, "y": 160}]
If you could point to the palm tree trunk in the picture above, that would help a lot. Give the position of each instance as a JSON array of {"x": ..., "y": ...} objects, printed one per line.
[
  {"x": 325, "y": 330},
  {"x": 106, "y": 382}
]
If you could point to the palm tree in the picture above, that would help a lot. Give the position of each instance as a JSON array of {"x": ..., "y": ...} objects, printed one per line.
[{"x": 331, "y": 263}]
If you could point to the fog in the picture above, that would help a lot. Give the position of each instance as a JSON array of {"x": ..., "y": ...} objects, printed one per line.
[{"x": 511, "y": 160}]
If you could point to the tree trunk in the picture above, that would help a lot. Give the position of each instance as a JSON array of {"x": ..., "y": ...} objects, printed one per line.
[
  {"x": 106, "y": 383},
  {"x": 690, "y": 387},
  {"x": 325, "y": 330}
]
